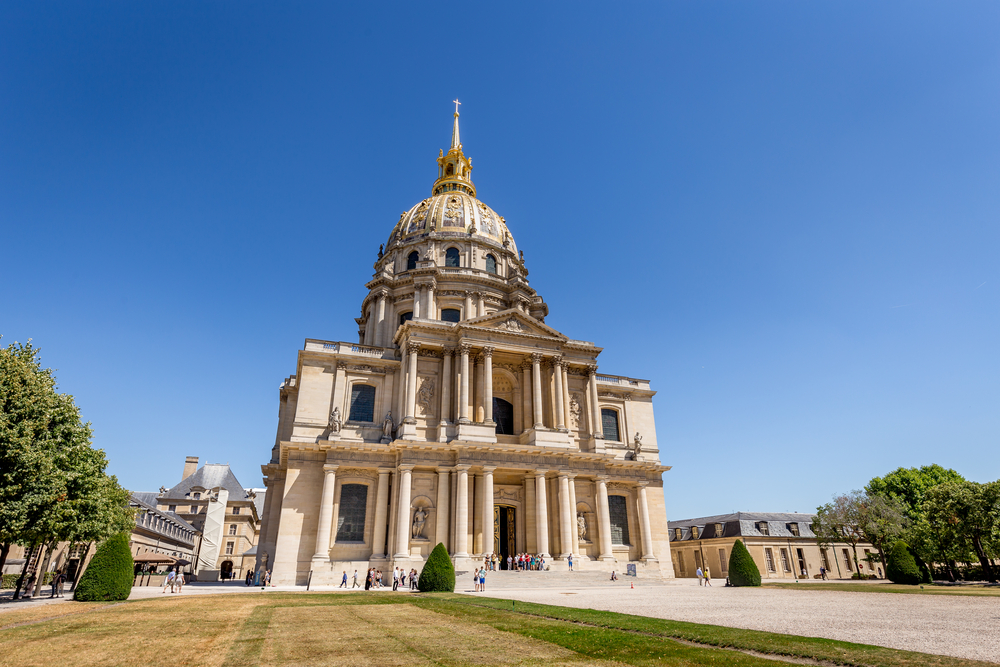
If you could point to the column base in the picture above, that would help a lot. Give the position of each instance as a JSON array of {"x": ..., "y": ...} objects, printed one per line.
[
  {"x": 320, "y": 562},
  {"x": 443, "y": 428},
  {"x": 407, "y": 430},
  {"x": 607, "y": 559},
  {"x": 477, "y": 432}
]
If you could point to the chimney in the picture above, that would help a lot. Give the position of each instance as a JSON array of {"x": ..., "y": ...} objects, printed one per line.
[{"x": 190, "y": 467}]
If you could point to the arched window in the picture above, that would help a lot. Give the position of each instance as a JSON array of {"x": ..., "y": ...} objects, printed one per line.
[
  {"x": 617, "y": 509},
  {"x": 451, "y": 315},
  {"x": 451, "y": 257},
  {"x": 411, "y": 261},
  {"x": 362, "y": 403},
  {"x": 449, "y": 170},
  {"x": 491, "y": 264},
  {"x": 351, "y": 518},
  {"x": 404, "y": 318},
  {"x": 503, "y": 415},
  {"x": 609, "y": 422}
]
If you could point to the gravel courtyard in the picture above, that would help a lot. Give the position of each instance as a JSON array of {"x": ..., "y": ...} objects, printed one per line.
[{"x": 960, "y": 626}]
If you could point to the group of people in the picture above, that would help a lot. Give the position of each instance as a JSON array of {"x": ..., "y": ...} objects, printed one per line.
[
  {"x": 259, "y": 578},
  {"x": 58, "y": 579},
  {"x": 479, "y": 578},
  {"x": 174, "y": 581},
  {"x": 704, "y": 576},
  {"x": 522, "y": 562},
  {"x": 373, "y": 579}
]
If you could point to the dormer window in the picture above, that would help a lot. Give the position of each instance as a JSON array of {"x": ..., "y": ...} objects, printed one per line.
[
  {"x": 678, "y": 533},
  {"x": 411, "y": 261},
  {"x": 762, "y": 528},
  {"x": 197, "y": 496},
  {"x": 793, "y": 528},
  {"x": 718, "y": 529},
  {"x": 694, "y": 532}
]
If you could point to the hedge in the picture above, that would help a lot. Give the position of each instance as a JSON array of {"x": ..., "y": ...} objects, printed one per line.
[
  {"x": 742, "y": 570},
  {"x": 10, "y": 580},
  {"x": 438, "y": 573},
  {"x": 900, "y": 566},
  {"x": 110, "y": 573}
]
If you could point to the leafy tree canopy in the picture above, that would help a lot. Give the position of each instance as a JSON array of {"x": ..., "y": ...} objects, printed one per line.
[{"x": 910, "y": 485}]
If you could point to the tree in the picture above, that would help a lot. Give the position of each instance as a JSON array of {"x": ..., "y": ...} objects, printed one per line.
[
  {"x": 438, "y": 573},
  {"x": 967, "y": 511},
  {"x": 840, "y": 521},
  {"x": 909, "y": 486},
  {"x": 110, "y": 574},
  {"x": 881, "y": 520},
  {"x": 742, "y": 570},
  {"x": 902, "y": 566}
]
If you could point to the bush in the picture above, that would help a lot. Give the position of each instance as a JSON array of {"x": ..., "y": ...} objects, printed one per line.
[
  {"x": 901, "y": 566},
  {"x": 109, "y": 575},
  {"x": 438, "y": 573},
  {"x": 925, "y": 572},
  {"x": 742, "y": 570}
]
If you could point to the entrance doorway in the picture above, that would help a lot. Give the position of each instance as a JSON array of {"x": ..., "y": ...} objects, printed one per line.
[
  {"x": 227, "y": 570},
  {"x": 503, "y": 415},
  {"x": 504, "y": 532}
]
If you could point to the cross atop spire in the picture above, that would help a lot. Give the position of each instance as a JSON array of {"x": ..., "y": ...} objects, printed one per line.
[{"x": 456, "y": 144}]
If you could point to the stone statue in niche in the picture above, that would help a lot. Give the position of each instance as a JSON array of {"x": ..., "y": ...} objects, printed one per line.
[
  {"x": 575, "y": 410},
  {"x": 387, "y": 427},
  {"x": 581, "y": 526},
  {"x": 425, "y": 395},
  {"x": 335, "y": 421},
  {"x": 419, "y": 520}
]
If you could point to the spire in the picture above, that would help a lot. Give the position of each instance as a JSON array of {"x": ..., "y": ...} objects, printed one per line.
[
  {"x": 456, "y": 143},
  {"x": 454, "y": 169}
]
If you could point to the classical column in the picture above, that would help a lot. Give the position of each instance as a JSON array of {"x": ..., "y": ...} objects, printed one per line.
[
  {"x": 541, "y": 514},
  {"x": 441, "y": 529},
  {"x": 462, "y": 513},
  {"x": 478, "y": 398},
  {"x": 488, "y": 509},
  {"x": 536, "y": 387},
  {"x": 560, "y": 414},
  {"x": 488, "y": 384},
  {"x": 572, "y": 515},
  {"x": 380, "y": 319},
  {"x": 446, "y": 387},
  {"x": 453, "y": 488},
  {"x": 567, "y": 412},
  {"x": 480, "y": 304},
  {"x": 647, "y": 533},
  {"x": 381, "y": 508},
  {"x": 401, "y": 381},
  {"x": 468, "y": 314},
  {"x": 526, "y": 416},
  {"x": 431, "y": 310},
  {"x": 565, "y": 536},
  {"x": 595, "y": 406},
  {"x": 604, "y": 519},
  {"x": 326, "y": 513},
  {"x": 412, "y": 350},
  {"x": 369, "y": 326},
  {"x": 463, "y": 401},
  {"x": 477, "y": 514},
  {"x": 530, "y": 532},
  {"x": 403, "y": 516},
  {"x": 418, "y": 297}
]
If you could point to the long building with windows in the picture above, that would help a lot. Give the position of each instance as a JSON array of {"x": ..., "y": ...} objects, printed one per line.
[
  {"x": 459, "y": 417},
  {"x": 782, "y": 545}
]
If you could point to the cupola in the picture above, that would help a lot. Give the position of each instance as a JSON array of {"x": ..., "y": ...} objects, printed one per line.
[{"x": 454, "y": 169}]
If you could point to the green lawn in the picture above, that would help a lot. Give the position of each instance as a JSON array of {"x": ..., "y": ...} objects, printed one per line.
[
  {"x": 377, "y": 629},
  {"x": 927, "y": 589}
]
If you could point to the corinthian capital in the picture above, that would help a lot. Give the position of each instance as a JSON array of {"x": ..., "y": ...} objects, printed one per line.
[
  {"x": 412, "y": 347},
  {"x": 591, "y": 369},
  {"x": 487, "y": 352}
]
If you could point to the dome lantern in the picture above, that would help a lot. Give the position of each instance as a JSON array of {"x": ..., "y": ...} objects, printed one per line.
[{"x": 454, "y": 169}]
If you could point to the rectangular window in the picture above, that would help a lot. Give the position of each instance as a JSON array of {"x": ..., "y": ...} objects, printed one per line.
[
  {"x": 236, "y": 510},
  {"x": 229, "y": 548},
  {"x": 362, "y": 403},
  {"x": 172, "y": 508},
  {"x": 769, "y": 556},
  {"x": 697, "y": 559},
  {"x": 678, "y": 533},
  {"x": 197, "y": 496},
  {"x": 694, "y": 532},
  {"x": 619, "y": 519},
  {"x": 763, "y": 528},
  {"x": 793, "y": 528},
  {"x": 785, "y": 565},
  {"x": 194, "y": 509},
  {"x": 232, "y": 529},
  {"x": 826, "y": 559},
  {"x": 351, "y": 518},
  {"x": 847, "y": 559},
  {"x": 609, "y": 422},
  {"x": 801, "y": 557},
  {"x": 719, "y": 529},
  {"x": 723, "y": 563},
  {"x": 680, "y": 563}
]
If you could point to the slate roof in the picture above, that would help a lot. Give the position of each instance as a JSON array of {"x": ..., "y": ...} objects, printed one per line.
[
  {"x": 147, "y": 501},
  {"x": 744, "y": 524},
  {"x": 258, "y": 501},
  {"x": 206, "y": 477}
]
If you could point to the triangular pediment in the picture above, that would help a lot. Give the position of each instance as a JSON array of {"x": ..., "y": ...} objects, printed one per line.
[{"x": 515, "y": 322}]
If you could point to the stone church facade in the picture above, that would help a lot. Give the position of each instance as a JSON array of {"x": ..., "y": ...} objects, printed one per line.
[{"x": 459, "y": 417}]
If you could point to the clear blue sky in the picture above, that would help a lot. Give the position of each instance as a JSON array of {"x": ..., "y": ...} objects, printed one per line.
[{"x": 783, "y": 214}]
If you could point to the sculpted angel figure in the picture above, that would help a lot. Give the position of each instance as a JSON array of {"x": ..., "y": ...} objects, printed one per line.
[{"x": 335, "y": 421}]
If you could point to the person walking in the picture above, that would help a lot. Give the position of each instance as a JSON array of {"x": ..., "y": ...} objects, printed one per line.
[
  {"x": 701, "y": 576},
  {"x": 708, "y": 576},
  {"x": 57, "y": 581},
  {"x": 179, "y": 581},
  {"x": 168, "y": 582},
  {"x": 343, "y": 581},
  {"x": 249, "y": 578},
  {"x": 413, "y": 580},
  {"x": 822, "y": 573},
  {"x": 395, "y": 578},
  {"x": 356, "y": 584}
]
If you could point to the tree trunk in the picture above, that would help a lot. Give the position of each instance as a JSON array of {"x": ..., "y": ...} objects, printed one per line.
[
  {"x": 983, "y": 560},
  {"x": 24, "y": 570},
  {"x": 950, "y": 564},
  {"x": 4, "y": 550},
  {"x": 83, "y": 563},
  {"x": 857, "y": 563},
  {"x": 40, "y": 571}
]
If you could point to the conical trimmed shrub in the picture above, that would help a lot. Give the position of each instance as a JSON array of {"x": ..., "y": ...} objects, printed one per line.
[
  {"x": 110, "y": 573},
  {"x": 900, "y": 565},
  {"x": 742, "y": 570},
  {"x": 438, "y": 573}
]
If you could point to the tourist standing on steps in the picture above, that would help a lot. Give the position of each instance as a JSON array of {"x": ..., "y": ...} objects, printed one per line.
[{"x": 701, "y": 576}]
